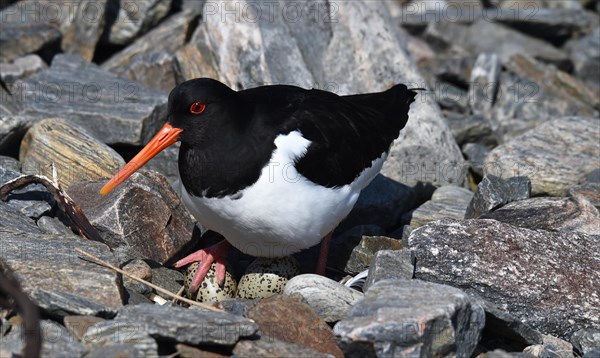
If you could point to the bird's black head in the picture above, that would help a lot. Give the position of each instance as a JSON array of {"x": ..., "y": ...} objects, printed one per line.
[
  {"x": 201, "y": 106},
  {"x": 199, "y": 109}
]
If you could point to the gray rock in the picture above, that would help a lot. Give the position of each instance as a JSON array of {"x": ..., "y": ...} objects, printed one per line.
[
  {"x": 585, "y": 340},
  {"x": 12, "y": 129},
  {"x": 476, "y": 154},
  {"x": 74, "y": 152},
  {"x": 114, "y": 109},
  {"x": 14, "y": 220},
  {"x": 585, "y": 52},
  {"x": 451, "y": 98},
  {"x": 528, "y": 273},
  {"x": 154, "y": 70},
  {"x": 381, "y": 203},
  {"x": 555, "y": 155},
  {"x": 133, "y": 18},
  {"x": 119, "y": 351},
  {"x": 169, "y": 36},
  {"x": 390, "y": 264},
  {"x": 471, "y": 128},
  {"x": 446, "y": 34},
  {"x": 166, "y": 163},
  {"x": 167, "y": 278},
  {"x": 20, "y": 68},
  {"x": 195, "y": 60},
  {"x": 484, "y": 83},
  {"x": 590, "y": 191},
  {"x": 448, "y": 201},
  {"x": 142, "y": 218},
  {"x": 181, "y": 324},
  {"x": 399, "y": 317},
  {"x": 84, "y": 33},
  {"x": 554, "y": 25},
  {"x": 493, "y": 192},
  {"x": 594, "y": 353},
  {"x": 24, "y": 35},
  {"x": 361, "y": 256},
  {"x": 328, "y": 298},
  {"x": 272, "y": 347},
  {"x": 532, "y": 93},
  {"x": 550, "y": 347},
  {"x": 52, "y": 225},
  {"x": 10, "y": 164},
  {"x": 415, "y": 15},
  {"x": 593, "y": 176},
  {"x": 452, "y": 68},
  {"x": 501, "y": 325},
  {"x": 7, "y": 107},
  {"x": 56, "y": 341},
  {"x": 104, "y": 335},
  {"x": 33, "y": 201},
  {"x": 553, "y": 214},
  {"x": 54, "y": 276},
  {"x": 140, "y": 269}
]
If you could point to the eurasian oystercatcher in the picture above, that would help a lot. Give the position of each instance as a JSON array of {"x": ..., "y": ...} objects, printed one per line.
[{"x": 273, "y": 169}]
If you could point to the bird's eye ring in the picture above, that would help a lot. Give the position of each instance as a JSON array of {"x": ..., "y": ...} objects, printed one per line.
[{"x": 197, "y": 107}]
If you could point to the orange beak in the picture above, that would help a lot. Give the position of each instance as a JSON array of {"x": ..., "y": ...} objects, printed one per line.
[{"x": 166, "y": 136}]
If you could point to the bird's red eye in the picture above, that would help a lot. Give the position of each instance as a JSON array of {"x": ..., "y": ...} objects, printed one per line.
[{"x": 197, "y": 108}]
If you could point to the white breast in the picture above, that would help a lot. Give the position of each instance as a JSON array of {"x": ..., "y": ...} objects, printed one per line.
[{"x": 283, "y": 212}]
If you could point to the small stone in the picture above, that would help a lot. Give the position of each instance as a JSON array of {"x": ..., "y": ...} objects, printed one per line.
[
  {"x": 484, "y": 82},
  {"x": 555, "y": 156},
  {"x": 585, "y": 340},
  {"x": 237, "y": 306},
  {"x": 166, "y": 277},
  {"x": 290, "y": 320},
  {"x": 56, "y": 341},
  {"x": 449, "y": 201},
  {"x": 266, "y": 277},
  {"x": 20, "y": 68},
  {"x": 208, "y": 290},
  {"x": 390, "y": 264},
  {"x": 52, "y": 225},
  {"x": 362, "y": 255},
  {"x": 142, "y": 218},
  {"x": 553, "y": 214},
  {"x": 154, "y": 70},
  {"x": 493, "y": 192},
  {"x": 476, "y": 154},
  {"x": 76, "y": 154},
  {"x": 551, "y": 347},
  {"x": 140, "y": 269},
  {"x": 328, "y": 298},
  {"x": 451, "y": 98},
  {"x": 588, "y": 190},
  {"x": 471, "y": 128},
  {"x": 399, "y": 316}
]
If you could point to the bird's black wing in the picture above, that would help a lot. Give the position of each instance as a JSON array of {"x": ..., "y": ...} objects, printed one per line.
[{"x": 347, "y": 132}]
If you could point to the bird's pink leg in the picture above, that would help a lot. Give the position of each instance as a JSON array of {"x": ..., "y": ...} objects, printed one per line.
[
  {"x": 322, "y": 261},
  {"x": 216, "y": 253}
]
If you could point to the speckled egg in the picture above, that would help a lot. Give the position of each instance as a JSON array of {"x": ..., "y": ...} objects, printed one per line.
[
  {"x": 266, "y": 277},
  {"x": 209, "y": 291}
]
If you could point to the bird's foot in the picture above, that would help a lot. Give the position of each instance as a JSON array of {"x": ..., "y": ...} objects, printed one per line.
[
  {"x": 323, "y": 253},
  {"x": 216, "y": 253}
]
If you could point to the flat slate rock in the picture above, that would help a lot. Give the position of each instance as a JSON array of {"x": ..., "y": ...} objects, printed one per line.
[
  {"x": 546, "y": 279},
  {"x": 75, "y": 153},
  {"x": 131, "y": 19},
  {"x": 192, "y": 326},
  {"x": 21, "y": 67},
  {"x": 390, "y": 264},
  {"x": 56, "y": 278},
  {"x": 23, "y": 36},
  {"x": 448, "y": 201},
  {"x": 471, "y": 128},
  {"x": 411, "y": 318},
  {"x": 552, "y": 214},
  {"x": 330, "y": 299},
  {"x": 114, "y": 109},
  {"x": 271, "y": 347},
  {"x": 141, "y": 218},
  {"x": 104, "y": 335},
  {"x": 82, "y": 36},
  {"x": 555, "y": 156},
  {"x": 57, "y": 342}
]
